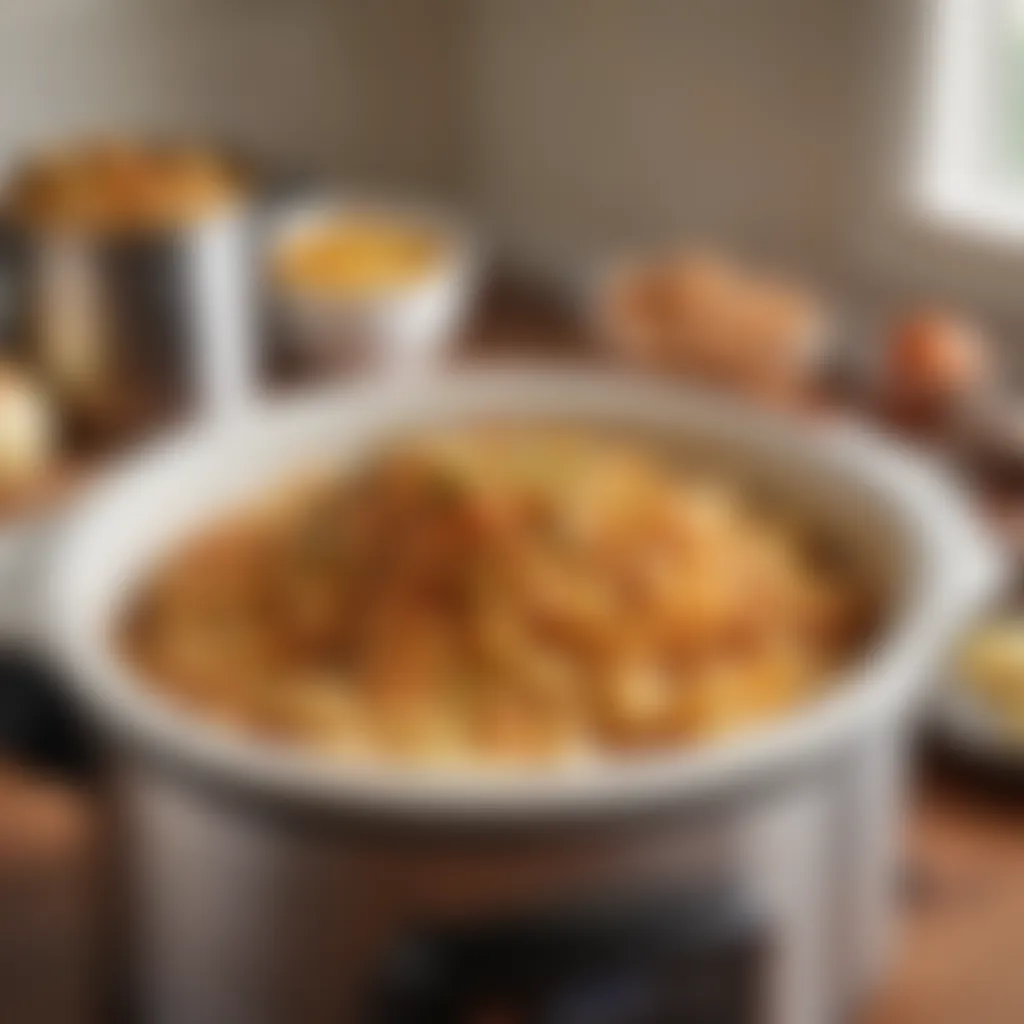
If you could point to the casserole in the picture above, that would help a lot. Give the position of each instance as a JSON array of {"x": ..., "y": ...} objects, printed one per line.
[
  {"x": 266, "y": 888},
  {"x": 499, "y": 595}
]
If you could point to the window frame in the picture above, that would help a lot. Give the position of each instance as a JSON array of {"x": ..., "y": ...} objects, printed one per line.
[{"x": 922, "y": 227}]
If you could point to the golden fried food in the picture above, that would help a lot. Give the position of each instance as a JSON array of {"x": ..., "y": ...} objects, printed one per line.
[
  {"x": 121, "y": 186},
  {"x": 992, "y": 668},
  {"x": 709, "y": 317},
  {"x": 503, "y": 594},
  {"x": 356, "y": 255},
  {"x": 934, "y": 362},
  {"x": 27, "y": 430}
]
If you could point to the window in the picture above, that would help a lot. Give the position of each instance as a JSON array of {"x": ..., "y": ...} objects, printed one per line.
[
  {"x": 971, "y": 165},
  {"x": 1009, "y": 137},
  {"x": 944, "y": 194}
]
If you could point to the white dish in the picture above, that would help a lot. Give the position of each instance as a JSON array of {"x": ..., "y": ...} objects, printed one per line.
[
  {"x": 911, "y": 525},
  {"x": 969, "y": 727},
  {"x": 399, "y": 328},
  {"x": 963, "y": 721},
  {"x": 225, "y": 835}
]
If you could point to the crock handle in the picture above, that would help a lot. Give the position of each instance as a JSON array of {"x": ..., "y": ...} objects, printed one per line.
[
  {"x": 38, "y": 726},
  {"x": 982, "y": 567},
  {"x": 23, "y": 547}
]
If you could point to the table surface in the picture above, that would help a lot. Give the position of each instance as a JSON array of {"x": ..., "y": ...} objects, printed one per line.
[{"x": 961, "y": 905}]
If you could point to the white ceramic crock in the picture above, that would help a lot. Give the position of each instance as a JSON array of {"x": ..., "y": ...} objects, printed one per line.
[{"x": 266, "y": 883}]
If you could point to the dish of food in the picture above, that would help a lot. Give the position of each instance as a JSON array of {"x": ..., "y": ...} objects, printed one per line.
[
  {"x": 935, "y": 372},
  {"x": 504, "y": 595},
  {"x": 350, "y": 256},
  {"x": 112, "y": 187},
  {"x": 707, "y": 316},
  {"x": 991, "y": 668}
]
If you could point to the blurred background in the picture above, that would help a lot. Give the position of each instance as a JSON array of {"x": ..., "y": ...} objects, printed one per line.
[
  {"x": 806, "y": 129},
  {"x": 811, "y": 205}
]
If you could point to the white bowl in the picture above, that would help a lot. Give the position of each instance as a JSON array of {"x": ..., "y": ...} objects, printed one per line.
[
  {"x": 907, "y": 525},
  {"x": 400, "y": 328},
  {"x": 226, "y": 834}
]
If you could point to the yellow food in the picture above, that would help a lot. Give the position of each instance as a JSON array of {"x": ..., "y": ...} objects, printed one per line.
[
  {"x": 992, "y": 667},
  {"x": 497, "y": 595},
  {"x": 709, "y": 317},
  {"x": 121, "y": 186},
  {"x": 27, "y": 430},
  {"x": 354, "y": 256}
]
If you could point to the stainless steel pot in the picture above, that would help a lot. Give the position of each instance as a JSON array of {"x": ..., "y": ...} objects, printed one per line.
[
  {"x": 134, "y": 327},
  {"x": 268, "y": 886}
]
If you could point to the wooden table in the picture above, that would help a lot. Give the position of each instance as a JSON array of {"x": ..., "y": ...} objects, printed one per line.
[{"x": 962, "y": 907}]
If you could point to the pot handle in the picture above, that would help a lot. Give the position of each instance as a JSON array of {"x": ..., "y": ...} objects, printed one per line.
[
  {"x": 23, "y": 548},
  {"x": 39, "y": 727},
  {"x": 981, "y": 566}
]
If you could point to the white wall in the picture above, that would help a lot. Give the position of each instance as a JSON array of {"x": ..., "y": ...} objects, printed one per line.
[
  {"x": 594, "y": 121},
  {"x": 358, "y": 86},
  {"x": 571, "y": 127},
  {"x": 563, "y": 119}
]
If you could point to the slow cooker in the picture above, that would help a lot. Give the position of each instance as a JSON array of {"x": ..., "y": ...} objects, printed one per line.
[{"x": 748, "y": 880}]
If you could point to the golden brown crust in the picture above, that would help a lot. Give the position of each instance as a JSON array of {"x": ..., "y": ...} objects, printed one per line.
[{"x": 503, "y": 595}]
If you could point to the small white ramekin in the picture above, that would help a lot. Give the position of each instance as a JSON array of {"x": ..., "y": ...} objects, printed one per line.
[{"x": 401, "y": 328}]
